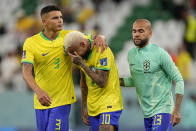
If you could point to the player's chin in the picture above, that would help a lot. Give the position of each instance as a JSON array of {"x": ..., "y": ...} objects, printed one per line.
[
  {"x": 59, "y": 28},
  {"x": 137, "y": 43}
]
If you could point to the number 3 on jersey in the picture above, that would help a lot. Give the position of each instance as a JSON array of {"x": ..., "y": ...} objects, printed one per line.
[{"x": 56, "y": 62}]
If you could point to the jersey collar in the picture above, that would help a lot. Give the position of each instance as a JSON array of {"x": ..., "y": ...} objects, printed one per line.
[{"x": 43, "y": 36}]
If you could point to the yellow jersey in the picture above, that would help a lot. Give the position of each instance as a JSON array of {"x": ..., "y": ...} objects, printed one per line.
[
  {"x": 109, "y": 98},
  {"x": 52, "y": 68}
]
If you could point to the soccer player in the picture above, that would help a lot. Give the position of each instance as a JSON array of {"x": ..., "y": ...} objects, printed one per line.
[
  {"x": 53, "y": 84},
  {"x": 152, "y": 71},
  {"x": 100, "y": 85}
]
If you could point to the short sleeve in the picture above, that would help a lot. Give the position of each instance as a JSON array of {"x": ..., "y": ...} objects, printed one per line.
[
  {"x": 104, "y": 60},
  {"x": 27, "y": 55}
]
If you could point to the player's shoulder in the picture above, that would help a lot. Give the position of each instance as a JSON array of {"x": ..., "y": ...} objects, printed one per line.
[
  {"x": 32, "y": 39},
  {"x": 63, "y": 33},
  {"x": 156, "y": 48},
  {"x": 132, "y": 50}
]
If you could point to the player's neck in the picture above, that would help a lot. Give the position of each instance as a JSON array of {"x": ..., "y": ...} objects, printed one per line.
[{"x": 50, "y": 34}]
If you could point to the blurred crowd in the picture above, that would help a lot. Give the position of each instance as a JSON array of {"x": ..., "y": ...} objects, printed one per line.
[{"x": 79, "y": 12}]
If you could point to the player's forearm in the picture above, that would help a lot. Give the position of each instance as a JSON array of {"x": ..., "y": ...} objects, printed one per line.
[
  {"x": 31, "y": 82},
  {"x": 84, "y": 93},
  {"x": 101, "y": 81},
  {"x": 28, "y": 77},
  {"x": 84, "y": 90},
  {"x": 178, "y": 102}
]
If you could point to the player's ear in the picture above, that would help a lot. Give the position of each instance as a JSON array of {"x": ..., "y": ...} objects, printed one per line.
[
  {"x": 82, "y": 44},
  {"x": 43, "y": 18}
]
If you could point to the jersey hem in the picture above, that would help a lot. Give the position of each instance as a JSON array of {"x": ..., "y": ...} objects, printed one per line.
[
  {"x": 119, "y": 109},
  {"x": 39, "y": 108}
]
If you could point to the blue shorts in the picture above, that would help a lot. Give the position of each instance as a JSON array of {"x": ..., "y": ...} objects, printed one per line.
[
  {"x": 158, "y": 122},
  {"x": 107, "y": 118},
  {"x": 53, "y": 119}
]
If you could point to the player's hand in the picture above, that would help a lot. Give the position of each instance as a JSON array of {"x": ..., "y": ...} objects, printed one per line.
[
  {"x": 100, "y": 42},
  {"x": 85, "y": 117},
  {"x": 43, "y": 98},
  {"x": 175, "y": 117},
  {"x": 76, "y": 59}
]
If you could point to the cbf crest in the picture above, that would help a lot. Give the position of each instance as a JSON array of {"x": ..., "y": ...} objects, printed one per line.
[
  {"x": 92, "y": 68},
  {"x": 146, "y": 65}
]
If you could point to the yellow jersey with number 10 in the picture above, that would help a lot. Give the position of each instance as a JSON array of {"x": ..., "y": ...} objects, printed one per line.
[
  {"x": 109, "y": 98},
  {"x": 52, "y": 68}
]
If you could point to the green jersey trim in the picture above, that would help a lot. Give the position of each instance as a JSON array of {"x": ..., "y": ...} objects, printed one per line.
[
  {"x": 26, "y": 61},
  {"x": 45, "y": 38},
  {"x": 101, "y": 68}
]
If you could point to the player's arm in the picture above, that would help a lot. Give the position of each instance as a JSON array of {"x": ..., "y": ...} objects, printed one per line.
[
  {"x": 84, "y": 93},
  {"x": 172, "y": 71},
  {"x": 126, "y": 82},
  {"x": 44, "y": 99},
  {"x": 100, "y": 77},
  {"x": 175, "y": 116}
]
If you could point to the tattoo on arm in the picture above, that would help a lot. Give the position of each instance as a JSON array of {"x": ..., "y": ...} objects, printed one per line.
[{"x": 100, "y": 77}]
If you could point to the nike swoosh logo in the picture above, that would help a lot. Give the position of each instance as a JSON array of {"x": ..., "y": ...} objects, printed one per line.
[{"x": 44, "y": 54}]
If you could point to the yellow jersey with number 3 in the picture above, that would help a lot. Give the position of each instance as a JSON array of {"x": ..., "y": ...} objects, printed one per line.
[
  {"x": 52, "y": 68},
  {"x": 109, "y": 98}
]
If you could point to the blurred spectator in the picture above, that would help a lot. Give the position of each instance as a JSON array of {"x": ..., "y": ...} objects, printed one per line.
[
  {"x": 2, "y": 29},
  {"x": 184, "y": 63},
  {"x": 27, "y": 26},
  {"x": 97, "y": 4},
  {"x": 190, "y": 32},
  {"x": 10, "y": 66},
  {"x": 67, "y": 11},
  {"x": 84, "y": 13},
  {"x": 96, "y": 29}
]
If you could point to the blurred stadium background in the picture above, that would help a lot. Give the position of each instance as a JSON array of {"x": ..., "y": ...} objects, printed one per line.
[{"x": 174, "y": 28}]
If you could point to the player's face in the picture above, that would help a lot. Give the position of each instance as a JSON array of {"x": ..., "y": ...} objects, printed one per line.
[
  {"x": 53, "y": 21},
  {"x": 141, "y": 34}
]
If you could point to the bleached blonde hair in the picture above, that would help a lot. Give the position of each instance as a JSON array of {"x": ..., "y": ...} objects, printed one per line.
[{"x": 73, "y": 38}]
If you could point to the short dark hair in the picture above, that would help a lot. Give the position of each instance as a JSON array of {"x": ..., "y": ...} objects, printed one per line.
[{"x": 48, "y": 9}]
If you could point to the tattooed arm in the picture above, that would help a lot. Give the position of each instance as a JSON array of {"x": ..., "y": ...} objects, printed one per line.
[
  {"x": 100, "y": 77},
  {"x": 84, "y": 93},
  {"x": 43, "y": 97}
]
